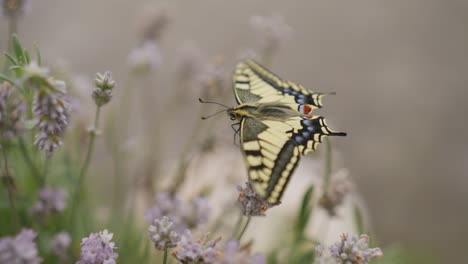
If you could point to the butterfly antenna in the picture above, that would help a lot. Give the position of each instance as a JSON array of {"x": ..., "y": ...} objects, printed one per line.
[
  {"x": 208, "y": 102},
  {"x": 206, "y": 117}
]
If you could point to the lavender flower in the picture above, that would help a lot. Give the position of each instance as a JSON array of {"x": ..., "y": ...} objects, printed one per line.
[
  {"x": 162, "y": 233},
  {"x": 166, "y": 204},
  {"x": 197, "y": 212},
  {"x": 212, "y": 79},
  {"x": 15, "y": 8},
  {"x": 50, "y": 201},
  {"x": 19, "y": 249},
  {"x": 251, "y": 204},
  {"x": 153, "y": 22},
  {"x": 232, "y": 253},
  {"x": 104, "y": 86},
  {"x": 60, "y": 243},
  {"x": 335, "y": 194},
  {"x": 12, "y": 107},
  {"x": 146, "y": 57},
  {"x": 183, "y": 215},
  {"x": 196, "y": 252},
  {"x": 98, "y": 249},
  {"x": 51, "y": 110},
  {"x": 189, "y": 62},
  {"x": 354, "y": 250},
  {"x": 272, "y": 30}
]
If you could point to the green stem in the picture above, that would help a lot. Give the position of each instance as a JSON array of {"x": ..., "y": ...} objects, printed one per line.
[
  {"x": 165, "y": 256},
  {"x": 245, "y": 228},
  {"x": 328, "y": 164},
  {"x": 10, "y": 188},
  {"x": 84, "y": 169},
  {"x": 45, "y": 170},
  {"x": 29, "y": 161}
]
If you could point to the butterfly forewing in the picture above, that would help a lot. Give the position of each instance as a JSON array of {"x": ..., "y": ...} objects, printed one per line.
[{"x": 254, "y": 83}]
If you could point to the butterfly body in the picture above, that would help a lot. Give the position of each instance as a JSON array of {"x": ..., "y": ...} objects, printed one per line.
[{"x": 276, "y": 126}]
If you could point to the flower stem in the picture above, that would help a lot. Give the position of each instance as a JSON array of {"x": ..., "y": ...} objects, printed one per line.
[
  {"x": 45, "y": 171},
  {"x": 238, "y": 225},
  {"x": 10, "y": 188},
  {"x": 328, "y": 164},
  {"x": 84, "y": 169},
  {"x": 245, "y": 228},
  {"x": 165, "y": 256}
]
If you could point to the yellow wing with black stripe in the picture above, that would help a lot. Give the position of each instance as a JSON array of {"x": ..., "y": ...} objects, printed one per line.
[
  {"x": 254, "y": 83},
  {"x": 272, "y": 150}
]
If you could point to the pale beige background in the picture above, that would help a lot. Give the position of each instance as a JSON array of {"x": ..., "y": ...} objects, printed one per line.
[{"x": 400, "y": 70}]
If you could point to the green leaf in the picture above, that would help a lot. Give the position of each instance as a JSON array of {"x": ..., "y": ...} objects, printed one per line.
[
  {"x": 304, "y": 213},
  {"x": 10, "y": 58},
  {"x": 272, "y": 258},
  {"x": 18, "y": 50},
  {"x": 26, "y": 56},
  {"x": 359, "y": 220},
  {"x": 307, "y": 257},
  {"x": 6, "y": 79}
]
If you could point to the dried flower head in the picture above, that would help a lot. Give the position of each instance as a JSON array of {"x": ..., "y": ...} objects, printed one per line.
[
  {"x": 251, "y": 204},
  {"x": 60, "y": 243},
  {"x": 339, "y": 187},
  {"x": 102, "y": 94},
  {"x": 162, "y": 233},
  {"x": 202, "y": 251},
  {"x": 98, "y": 249},
  {"x": 15, "y": 8},
  {"x": 50, "y": 201},
  {"x": 147, "y": 57},
  {"x": 51, "y": 111},
  {"x": 354, "y": 250},
  {"x": 20, "y": 249},
  {"x": 12, "y": 107}
]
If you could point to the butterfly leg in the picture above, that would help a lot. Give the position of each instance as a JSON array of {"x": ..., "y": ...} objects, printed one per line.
[{"x": 236, "y": 132}]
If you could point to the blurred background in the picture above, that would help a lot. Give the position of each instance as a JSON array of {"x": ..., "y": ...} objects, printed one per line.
[{"x": 399, "y": 68}]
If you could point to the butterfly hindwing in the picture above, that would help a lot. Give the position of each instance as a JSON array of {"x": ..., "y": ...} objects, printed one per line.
[{"x": 271, "y": 157}]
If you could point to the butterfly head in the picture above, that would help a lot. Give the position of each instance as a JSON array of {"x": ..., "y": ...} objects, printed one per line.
[{"x": 232, "y": 114}]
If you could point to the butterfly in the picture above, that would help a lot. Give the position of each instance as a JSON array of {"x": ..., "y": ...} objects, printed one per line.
[{"x": 276, "y": 126}]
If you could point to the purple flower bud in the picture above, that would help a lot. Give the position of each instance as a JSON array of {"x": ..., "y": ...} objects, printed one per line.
[
  {"x": 20, "y": 249},
  {"x": 60, "y": 243},
  {"x": 162, "y": 233},
  {"x": 98, "y": 249},
  {"x": 354, "y": 250},
  {"x": 50, "y": 201}
]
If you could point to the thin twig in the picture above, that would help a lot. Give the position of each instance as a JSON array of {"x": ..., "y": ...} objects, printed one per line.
[
  {"x": 245, "y": 228},
  {"x": 84, "y": 169}
]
